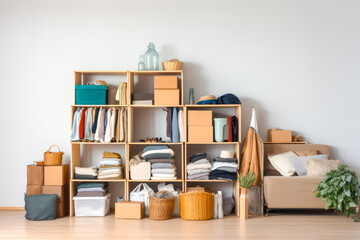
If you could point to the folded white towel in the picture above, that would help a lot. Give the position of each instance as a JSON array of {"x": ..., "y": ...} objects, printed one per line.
[
  {"x": 163, "y": 170},
  {"x": 216, "y": 165},
  {"x": 163, "y": 175},
  {"x": 196, "y": 171},
  {"x": 109, "y": 176},
  {"x": 163, "y": 178},
  {"x": 192, "y": 166},
  {"x": 111, "y": 162},
  {"x": 169, "y": 150}
]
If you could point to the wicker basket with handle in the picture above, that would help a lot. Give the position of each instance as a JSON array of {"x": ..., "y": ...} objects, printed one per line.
[
  {"x": 161, "y": 208},
  {"x": 53, "y": 158},
  {"x": 197, "y": 206}
]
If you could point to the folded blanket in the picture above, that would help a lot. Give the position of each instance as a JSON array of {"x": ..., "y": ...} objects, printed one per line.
[
  {"x": 199, "y": 178},
  {"x": 164, "y": 170},
  {"x": 220, "y": 174},
  {"x": 155, "y": 160},
  {"x": 168, "y": 151},
  {"x": 86, "y": 168},
  {"x": 92, "y": 185},
  {"x": 219, "y": 159},
  {"x": 80, "y": 176},
  {"x": 195, "y": 171},
  {"x": 193, "y": 176},
  {"x": 109, "y": 176},
  {"x": 204, "y": 160},
  {"x": 111, "y": 162},
  {"x": 91, "y": 194},
  {"x": 158, "y": 156},
  {"x": 110, "y": 166},
  {"x": 86, "y": 173},
  {"x": 228, "y": 169},
  {"x": 155, "y": 147},
  {"x": 109, "y": 170},
  {"x": 161, "y": 165},
  {"x": 163, "y": 178},
  {"x": 192, "y": 166},
  {"x": 197, "y": 157},
  {"x": 216, "y": 165},
  {"x": 111, "y": 155},
  {"x": 162, "y": 175},
  {"x": 92, "y": 189}
]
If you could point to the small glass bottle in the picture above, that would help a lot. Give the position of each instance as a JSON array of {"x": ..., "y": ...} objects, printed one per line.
[
  {"x": 191, "y": 96},
  {"x": 141, "y": 65},
  {"x": 151, "y": 58}
]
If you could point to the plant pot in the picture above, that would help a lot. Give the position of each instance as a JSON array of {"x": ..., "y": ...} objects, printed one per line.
[{"x": 244, "y": 204}]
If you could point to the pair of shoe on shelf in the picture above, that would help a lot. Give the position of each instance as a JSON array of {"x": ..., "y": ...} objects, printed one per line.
[{"x": 152, "y": 140}]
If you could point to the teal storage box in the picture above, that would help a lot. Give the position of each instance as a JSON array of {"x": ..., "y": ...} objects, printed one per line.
[{"x": 90, "y": 94}]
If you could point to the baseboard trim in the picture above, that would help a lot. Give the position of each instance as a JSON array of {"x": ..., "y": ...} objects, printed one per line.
[{"x": 12, "y": 208}]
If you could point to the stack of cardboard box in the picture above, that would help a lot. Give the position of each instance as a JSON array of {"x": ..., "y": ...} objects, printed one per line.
[
  {"x": 50, "y": 180},
  {"x": 200, "y": 127},
  {"x": 166, "y": 90}
]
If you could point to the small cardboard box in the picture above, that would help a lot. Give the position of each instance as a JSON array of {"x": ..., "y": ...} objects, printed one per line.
[
  {"x": 35, "y": 175},
  {"x": 62, "y": 209},
  {"x": 141, "y": 171},
  {"x": 199, "y": 118},
  {"x": 166, "y": 82},
  {"x": 56, "y": 175},
  {"x": 167, "y": 97},
  {"x": 200, "y": 134},
  {"x": 279, "y": 136},
  {"x": 129, "y": 210},
  {"x": 33, "y": 189},
  {"x": 61, "y": 190}
]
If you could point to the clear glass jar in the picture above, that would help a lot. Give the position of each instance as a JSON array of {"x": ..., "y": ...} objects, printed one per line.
[
  {"x": 141, "y": 65},
  {"x": 151, "y": 57}
]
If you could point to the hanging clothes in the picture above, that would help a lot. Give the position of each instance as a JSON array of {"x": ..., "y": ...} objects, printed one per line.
[
  {"x": 123, "y": 125},
  {"x": 230, "y": 127},
  {"x": 169, "y": 122},
  {"x": 82, "y": 123},
  {"x": 99, "y": 134},
  {"x": 108, "y": 126},
  {"x": 235, "y": 129},
  {"x": 75, "y": 128},
  {"x": 88, "y": 135},
  {"x": 96, "y": 117},
  {"x": 181, "y": 125},
  {"x": 175, "y": 126},
  {"x": 113, "y": 124}
]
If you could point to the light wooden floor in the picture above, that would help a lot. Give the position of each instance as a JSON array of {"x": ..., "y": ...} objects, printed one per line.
[{"x": 280, "y": 226}]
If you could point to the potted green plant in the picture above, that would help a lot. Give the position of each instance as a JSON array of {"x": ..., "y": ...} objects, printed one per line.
[
  {"x": 245, "y": 182},
  {"x": 340, "y": 189}
]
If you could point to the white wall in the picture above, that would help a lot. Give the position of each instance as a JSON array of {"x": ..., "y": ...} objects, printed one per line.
[{"x": 297, "y": 62}]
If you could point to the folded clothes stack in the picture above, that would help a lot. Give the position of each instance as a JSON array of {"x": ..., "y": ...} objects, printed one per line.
[
  {"x": 92, "y": 189},
  {"x": 111, "y": 166},
  {"x": 86, "y": 173},
  {"x": 224, "y": 167},
  {"x": 199, "y": 167},
  {"x": 162, "y": 161}
]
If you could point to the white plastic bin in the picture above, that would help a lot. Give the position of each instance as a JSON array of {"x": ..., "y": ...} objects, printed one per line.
[{"x": 92, "y": 206}]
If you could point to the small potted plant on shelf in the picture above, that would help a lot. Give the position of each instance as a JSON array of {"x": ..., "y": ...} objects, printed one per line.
[
  {"x": 340, "y": 189},
  {"x": 245, "y": 182}
]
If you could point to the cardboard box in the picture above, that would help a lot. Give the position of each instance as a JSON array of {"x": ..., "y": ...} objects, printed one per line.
[
  {"x": 166, "y": 82},
  {"x": 61, "y": 190},
  {"x": 56, "y": 175},
  {"x": 167, "y": 97},
  {"x": 279, "y": 136},
  {"x": 141, "y": 171},
  {"x": 33, "y": 189},
  {"x": 35, "y": 175},
  {"x": 199, "y": 118},
  {"x": 62, "y": 209},
  {"x": 129, "y": 210},
  {"x": 200, "y": 134}
]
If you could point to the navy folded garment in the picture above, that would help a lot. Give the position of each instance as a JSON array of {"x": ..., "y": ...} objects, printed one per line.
[
  {"x": 197, "y": 157},
  {"x": 220, "y": 174},
  {"x": 155, "y": 147},
  {"x": 207, "y": 102},
  {"x": 228, "y": 98},
  {"x": 219, "y": 159}
]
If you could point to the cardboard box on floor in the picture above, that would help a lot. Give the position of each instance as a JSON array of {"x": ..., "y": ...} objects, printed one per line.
[
  {"x": 35, "y": 175},
  {"x": 129, "y": 210},
  {"x": 279, "y": 136},
  {"x": 200, "y": 134},
  {"x": 199, "y": 118},
  {"x": 56, "y": 175},
  {"x": 62, "y": 209},
  {"x": 166, "y": 82},
  {"x": 166, "y": 96},
  {"x": 33, "y": 189},
  {"x": 61, "y": 190}
]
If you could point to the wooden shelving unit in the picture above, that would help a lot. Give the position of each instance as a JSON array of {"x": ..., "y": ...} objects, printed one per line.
[{"x": 131, "y": 145}]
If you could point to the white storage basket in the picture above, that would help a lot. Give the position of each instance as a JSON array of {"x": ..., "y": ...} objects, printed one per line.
[{"x": 92, "y": 206}]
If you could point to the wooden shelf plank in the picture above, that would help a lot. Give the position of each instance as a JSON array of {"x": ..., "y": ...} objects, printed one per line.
[
  {"x": 172, "y": 72},
  {"x": 285, "y": 142},
  {"x": 211, "y": 143},
  {"x": 165, "y": 143},
  {"x": 160, "y": 180},
  {"x": 101, "y": 72},
  {"x": 210, "y": 181},
  {"x": 99, "y": 105},
  {"x": 212, "y": 105},
  {"x": 100, "y": 180},
  {"x": 99, "y": 143},
  {"x": 155, "y": 106}
]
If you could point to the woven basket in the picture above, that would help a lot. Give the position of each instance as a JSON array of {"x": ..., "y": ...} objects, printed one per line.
[
  {"x": 53, "y": 158},
  {"x": 161, "y": 208},
  {"x": 197, "y": 206},
  {"x": 173, "y": 64}
]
